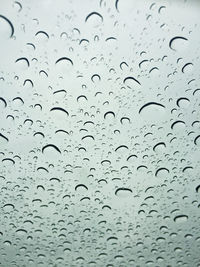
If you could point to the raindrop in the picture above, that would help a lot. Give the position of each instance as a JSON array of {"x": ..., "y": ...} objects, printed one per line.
[
  {"x": 181, "y": 218},
  {"x": 2, "y": 19},
  {"x": 59, "y": 109},
  {"x": 81, "y": 99},
  {"x": 23, "y": 62},
  {"x": 8, "y": 207},
  {"x": 161, "y": 172},
  {"x": 177, "y": 43},
  {"x": 64, "y": 59},
  {"x": 198, "y": 189},
  {"x": 42, "y": 36},
  {"x": 152, "y": 111},
  {"x": 109, "y": 114},
  {"x": 81, "y": 188},
  {"x": 3, "y": 102},
  {"x": 183, "y": 102},
  {"x": 18, "y": 101},
  {"x": 161, "y": 8},
  {"x": 159, "y": 147},
  {"x": 178, "y": 125},
  {"x": 125, "y": 120},
  {"x": 187, "y": 68},
  {"x": 19, "y": 5},
  {"x": 121, "y": 148},
  {"x": 21, "y": 232},
  {"x": 123, "y": 192},
  {"x": 131, "y": 81},
  {"x": 95, "y": 78},
  {"x": 122, "y": 64},
  {"x": 50, "y": 146},
  {"x": 3, "y": 137},
  {"x": 28, "y": 84},
  {"x": 116, "y": 5},
  {"x": 93, "y": 14},
  {"x": 197, "y": 140}
]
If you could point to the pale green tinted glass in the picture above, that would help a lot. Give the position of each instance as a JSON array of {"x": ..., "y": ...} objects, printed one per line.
[{"x": 99, "y": 133}]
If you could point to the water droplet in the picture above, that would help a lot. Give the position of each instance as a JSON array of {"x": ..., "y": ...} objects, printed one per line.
[
  {"x": 123, "y": 192},
  {"x": 6, "y": 27},
  {"x": 181, "y": 218},
  {"x": 178, "y": 43},
  {"x": 152, "y": 111}
]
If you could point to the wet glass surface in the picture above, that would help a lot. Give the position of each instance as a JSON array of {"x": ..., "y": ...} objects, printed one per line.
[{"x": 99, "y": 133}]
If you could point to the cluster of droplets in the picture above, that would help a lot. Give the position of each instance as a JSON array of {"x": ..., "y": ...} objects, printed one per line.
[{"x": 100, "y": 134}]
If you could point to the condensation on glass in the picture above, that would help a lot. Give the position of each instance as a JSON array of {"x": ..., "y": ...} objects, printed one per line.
[{"x": 99, "y": 133}]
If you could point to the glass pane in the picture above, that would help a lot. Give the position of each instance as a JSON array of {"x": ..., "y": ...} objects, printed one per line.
[{"x": 99, "y": 133}]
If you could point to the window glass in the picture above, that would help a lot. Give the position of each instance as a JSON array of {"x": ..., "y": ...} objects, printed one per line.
[{"x": 99, "y": 133}]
